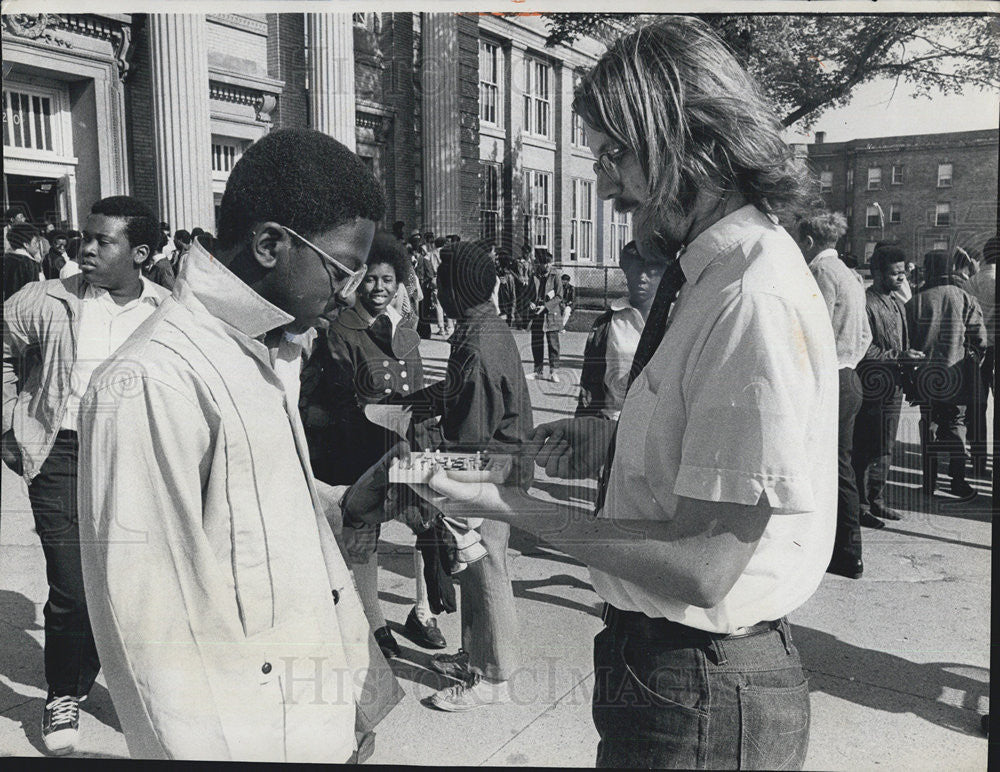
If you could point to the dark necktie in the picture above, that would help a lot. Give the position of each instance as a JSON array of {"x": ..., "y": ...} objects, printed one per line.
[
  {"x": 652, "y": 335},
  {"x": 381, "y": 332}
]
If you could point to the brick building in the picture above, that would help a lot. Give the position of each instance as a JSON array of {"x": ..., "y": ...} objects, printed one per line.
[
  {"x": 927, "y": 191},
  {"x": 466, "y": 118}
]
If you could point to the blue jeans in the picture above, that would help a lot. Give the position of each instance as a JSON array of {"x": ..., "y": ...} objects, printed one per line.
[
  {"x": 490, "y": 632},
  {"x": 679, "y": 698}
]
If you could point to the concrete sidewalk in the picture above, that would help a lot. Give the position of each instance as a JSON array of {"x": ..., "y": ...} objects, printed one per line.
[{"x": 898, "y": 661}]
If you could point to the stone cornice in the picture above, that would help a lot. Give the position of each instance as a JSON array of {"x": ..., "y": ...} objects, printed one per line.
[
  {"x": 240, "y": 21},
  {"x": 263, "y": 102},
  {"x": 115, "y": 29}
]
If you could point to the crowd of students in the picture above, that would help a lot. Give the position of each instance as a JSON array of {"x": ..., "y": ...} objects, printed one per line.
[{"x": 207, "y": 467}]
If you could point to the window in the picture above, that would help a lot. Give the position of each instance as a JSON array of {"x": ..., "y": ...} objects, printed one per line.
[
  {"x": 536, "y": 97},
  {"x": 621, "y": 232},
  {"x": 895, "y": 216},
  {"x": 225, "y": 154},
  {"x": 897, "y": 174},
  {"x": 942, "y": 215},
  {"x": 581, "y": 238},
  {"x": 579, "y": 133},
  {"x": 869, "y": 250},
  {"x": 27, "y": 120},
  {"x": 874, "y": 177},
  {"x": 850, "y": 179},
  {"x": 872, "y": 219},
  {"x": 489, "y": 83},
  {"x": 825, "y": 181},
  {"x": 944, "y": 175},
  {"x": 538, "y": 208},
  {"x": 490, "y": 201}
]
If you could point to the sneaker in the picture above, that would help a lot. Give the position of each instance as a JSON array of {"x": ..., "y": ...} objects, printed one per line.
[
  {"x": 424, "y": 634},
  {"x": 553, "y": 377},
  {"x": 452, "y": 665},
  {"x": 537, "y": 375},
  {"x": 385, "y": 641},
  {"x": 474, "y": 693},
  {"x": 61, "y": 724}
]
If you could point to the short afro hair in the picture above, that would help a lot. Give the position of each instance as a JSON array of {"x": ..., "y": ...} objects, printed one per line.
[
  {"x": 389, "y": 250},
  {"x": 21, "y": 234},
  {"x": 141, "y": 225},
  {"x": 300, "y": 178},
  {"x": 885, "y": 255}
]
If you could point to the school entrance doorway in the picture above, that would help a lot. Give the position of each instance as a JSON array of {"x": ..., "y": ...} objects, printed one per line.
[{"x": 42, "y": 199}]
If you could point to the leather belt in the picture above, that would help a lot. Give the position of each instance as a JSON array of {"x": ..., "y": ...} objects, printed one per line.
[{"x": 637, "y": 623}]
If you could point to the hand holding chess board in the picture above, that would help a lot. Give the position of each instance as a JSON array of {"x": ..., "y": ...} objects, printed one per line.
[{"x": 420, "y": 467}]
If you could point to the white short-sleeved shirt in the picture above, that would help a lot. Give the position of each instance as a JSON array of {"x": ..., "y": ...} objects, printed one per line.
[{"x": 739, "y": 401}]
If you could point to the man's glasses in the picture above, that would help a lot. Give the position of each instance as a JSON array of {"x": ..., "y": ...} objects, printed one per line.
[
  {"x": 354, "y": 278},
  {"x": 608, "y": 161}
]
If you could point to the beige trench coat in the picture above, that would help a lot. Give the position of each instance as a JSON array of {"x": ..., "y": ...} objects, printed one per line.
[{"x": 208, "y": 559}]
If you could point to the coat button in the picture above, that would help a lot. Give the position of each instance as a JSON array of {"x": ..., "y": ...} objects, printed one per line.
[
  {"x": 402, "y": 374},
  {"x": 387, "y": 376},
  {"x": 406, "y": 387},
  {"x": 265, "y": 668},
  {"x": 402, "y": 362},
  {"x": 385, "y": 363},
  {"x": 388, "y": 391}
]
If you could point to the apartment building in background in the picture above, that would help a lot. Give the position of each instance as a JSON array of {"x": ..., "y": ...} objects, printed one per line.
[{"x": 926, "y": 191}]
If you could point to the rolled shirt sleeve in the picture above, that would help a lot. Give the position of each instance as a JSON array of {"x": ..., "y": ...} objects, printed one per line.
[{"x": 746, "y": 393}]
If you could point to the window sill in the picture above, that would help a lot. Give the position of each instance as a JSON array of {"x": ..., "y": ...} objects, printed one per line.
[
  {"x": 537, "y": 141},
  {"x": 492, "y": 130}
]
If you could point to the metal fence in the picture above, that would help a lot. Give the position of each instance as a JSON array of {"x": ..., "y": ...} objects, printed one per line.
[{"x": 596, "y": 285}]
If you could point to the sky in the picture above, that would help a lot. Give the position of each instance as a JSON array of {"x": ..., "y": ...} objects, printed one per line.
[{"x": 875, "y": 111}]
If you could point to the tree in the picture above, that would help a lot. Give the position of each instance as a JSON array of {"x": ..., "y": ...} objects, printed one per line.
[{"x": 808, "y": 63}]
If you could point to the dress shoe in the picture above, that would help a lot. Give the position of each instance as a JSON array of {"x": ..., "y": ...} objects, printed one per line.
[
  {"x": 385, "y": 641},
  {"x": 424, "y": 634},
  {"x": 885, "y": 513},
  {"x": 962, "y": 489},
  {"x": 868, "y": 520},
  {"x": 845, "y": 565}
]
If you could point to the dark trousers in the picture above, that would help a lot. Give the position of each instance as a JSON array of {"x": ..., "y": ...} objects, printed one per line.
[
  {"x": 848, "y": 536},
  {"x": 977, "y": 418},
  {"x": 692, "y": 700},
  {"x": 942, "y": 429},
  {"x": 538, "y": 338},
  {"x": 874, "y": 439},
  {"x": 71, "y": 663}
]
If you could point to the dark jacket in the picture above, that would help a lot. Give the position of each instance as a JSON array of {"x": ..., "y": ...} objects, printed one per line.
[
  {"x": 593, "y": 393},
  {"x": 552, "y": 321},
  {"x": 880, "y": 371},
  {"x": 18, "y": 270},
  {"x": 161, "y": 272},
  {"x": 349, "y": 368},
  {"x": 946, "y": 323},
  {"x": 483, "y": 400}
]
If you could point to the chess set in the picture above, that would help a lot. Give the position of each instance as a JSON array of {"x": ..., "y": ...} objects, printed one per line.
[{"x": 420, "y": 467}]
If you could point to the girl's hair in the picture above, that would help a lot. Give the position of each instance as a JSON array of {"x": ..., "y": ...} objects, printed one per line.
[
  {"x": 388, "y": 250},
  {"x": 676, "y": 96}
]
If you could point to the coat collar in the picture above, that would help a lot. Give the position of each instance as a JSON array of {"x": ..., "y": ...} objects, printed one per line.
[
  {"x": 206, "y": 281},
  {"x": 742, "y": 225},
  {"x": 404, "y": 340}
]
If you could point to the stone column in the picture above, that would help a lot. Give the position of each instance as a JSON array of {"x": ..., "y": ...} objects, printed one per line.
[
  {"x": 331, "y": 75},
  {"x": 182, "y": 129},
  {"x": 440, "y": 123}
]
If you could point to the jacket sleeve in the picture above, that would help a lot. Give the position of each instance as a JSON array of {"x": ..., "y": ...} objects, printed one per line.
[
  {"x": 18, "y": 335},
  {"x": 975, "y": 327},
  {"x": 593, "y": 396}
]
